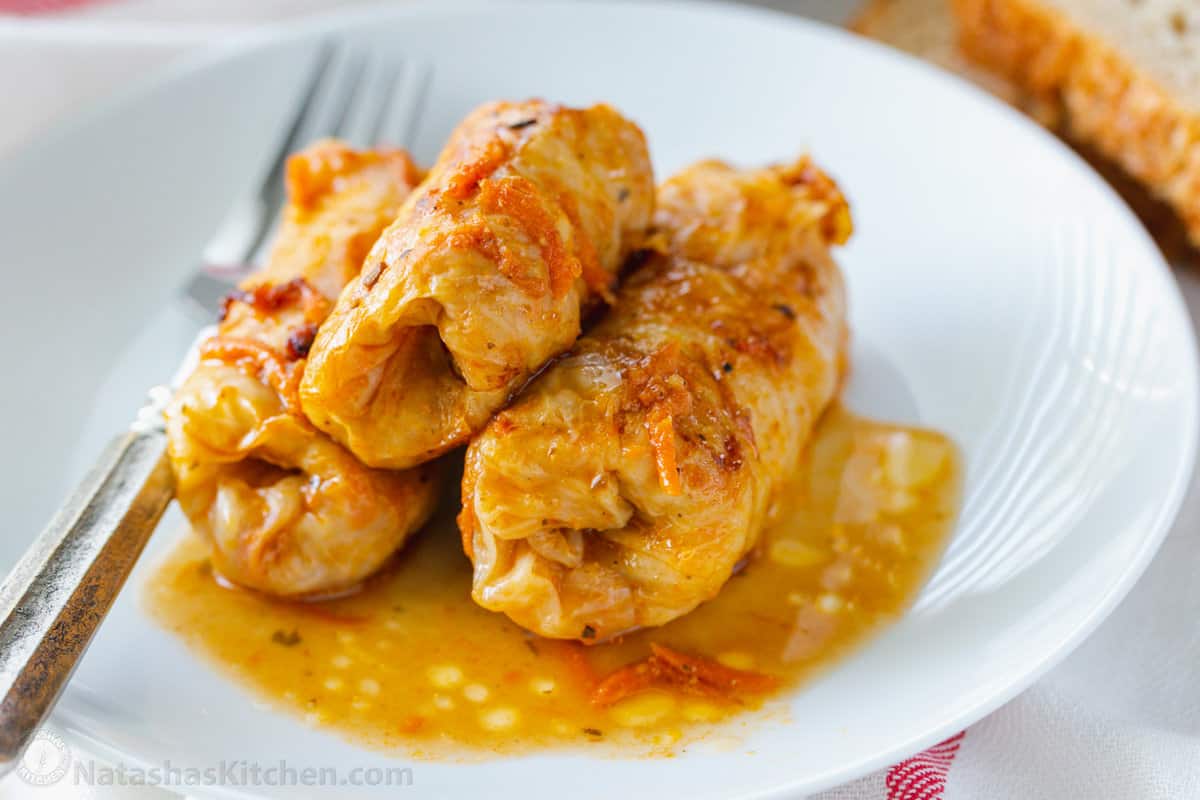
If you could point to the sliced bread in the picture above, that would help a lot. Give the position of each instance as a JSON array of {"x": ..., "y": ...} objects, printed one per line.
[
  {"x": 1119, "y": 76},
  {"x": 928, "y": 29}
]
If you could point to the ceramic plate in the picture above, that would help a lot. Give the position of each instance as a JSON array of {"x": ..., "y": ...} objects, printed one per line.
[{"x": 1000, "y": 293}]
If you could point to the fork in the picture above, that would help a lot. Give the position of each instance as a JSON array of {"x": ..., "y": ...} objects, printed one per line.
[
  {"x": 336, "y": 103},
  {"x": 59, "y": 592}
]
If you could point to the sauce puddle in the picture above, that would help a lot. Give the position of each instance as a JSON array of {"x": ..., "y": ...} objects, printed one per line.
[{"x": 411, "y": 664}]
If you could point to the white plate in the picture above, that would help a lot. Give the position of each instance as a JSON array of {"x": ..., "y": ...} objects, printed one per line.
[{"x": 1000, "y": 293}]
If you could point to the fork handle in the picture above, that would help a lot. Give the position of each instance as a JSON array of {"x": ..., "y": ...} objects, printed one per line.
[{"x": 57, "y": 595}]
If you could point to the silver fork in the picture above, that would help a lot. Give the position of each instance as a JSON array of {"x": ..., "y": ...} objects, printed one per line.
[
  {"x": 338, "y": 101},
  {"x": 55, "y": 598}
]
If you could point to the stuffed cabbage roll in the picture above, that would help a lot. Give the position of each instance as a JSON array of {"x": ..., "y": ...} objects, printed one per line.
[
  {"x": 627, "y": 482},
  {"x": 286, "y": 509},
  {"x": 517, "y": 231}
]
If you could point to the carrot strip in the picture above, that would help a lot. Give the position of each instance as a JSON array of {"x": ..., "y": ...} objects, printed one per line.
[
  {"x": 669, "y": 669},
  {"x": 484, "y": 241},
  {"x": 661, "y": 428},
  {"x": 714, "y": 674},
  {"x": 594, "y": 275},
  {"x": 521, "y": 200},
  {"x": 628, "y": 680}
]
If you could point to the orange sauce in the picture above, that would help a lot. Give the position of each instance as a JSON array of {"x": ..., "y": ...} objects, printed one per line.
[{"x": 412, "y": 664}]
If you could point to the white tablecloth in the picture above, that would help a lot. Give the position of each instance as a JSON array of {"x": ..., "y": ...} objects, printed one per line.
[{"x": 1120, "y": 718}]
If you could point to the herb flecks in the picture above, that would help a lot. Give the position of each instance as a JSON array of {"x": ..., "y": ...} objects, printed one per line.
[{"x": 286, "y": 638}]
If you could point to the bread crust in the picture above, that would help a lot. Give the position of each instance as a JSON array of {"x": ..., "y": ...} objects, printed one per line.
[{"x": 1092, "y": 93}]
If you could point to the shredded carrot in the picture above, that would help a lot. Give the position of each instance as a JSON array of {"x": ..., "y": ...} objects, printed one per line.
[
  {"x": 484, "y": 241},
  {"x": 670, "y": 669},
  {"x": 628, "y": 680},
  {"x": 594, "y": 275},
  {"x": 465, "y": 179},
  {"x": 521, "y": 200},
  {"x": 713, "y": 674},
  {"x": 661, "y": 428}
]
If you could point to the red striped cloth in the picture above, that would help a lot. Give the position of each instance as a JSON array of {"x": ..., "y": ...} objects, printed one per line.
[
  {"x": 31, "y": 7},
  {"x": 923, "y": 777}
]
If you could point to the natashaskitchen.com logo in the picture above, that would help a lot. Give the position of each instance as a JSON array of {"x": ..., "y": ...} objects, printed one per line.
[{"x": 48, "y": 761}]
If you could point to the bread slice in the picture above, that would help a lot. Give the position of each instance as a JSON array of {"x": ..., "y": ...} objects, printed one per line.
[
  {"x": 925, "y": 28},
  {"x": 928, "y": 29},
  {"x": 1120, "y": 76}
]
